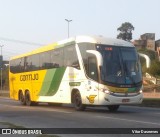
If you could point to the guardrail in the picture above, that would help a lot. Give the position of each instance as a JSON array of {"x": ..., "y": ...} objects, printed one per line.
[
  {"x": 152, "y": 86},
  {"x": 152, "y": 91}
]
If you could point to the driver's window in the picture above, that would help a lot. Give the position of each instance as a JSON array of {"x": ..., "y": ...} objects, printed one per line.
[{"x": 92, "y": 68}]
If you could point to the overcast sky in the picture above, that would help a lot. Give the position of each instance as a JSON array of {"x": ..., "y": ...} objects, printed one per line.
[{"x": 43, "y": 21}]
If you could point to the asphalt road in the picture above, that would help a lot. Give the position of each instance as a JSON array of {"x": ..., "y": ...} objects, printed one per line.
[{"x": 44, "y": 116}]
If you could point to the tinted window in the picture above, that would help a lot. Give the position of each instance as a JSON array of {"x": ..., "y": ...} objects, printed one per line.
[
  {"x": 28, "y": 63},
  {"x": 57, "y": 58},
  {"x": 35, "y": 62},
  {"x": 92, "y": 68},
  {"x": 88, "y": 59},
  {"x": 17, "y": 65},
  {"x": 45, "y": 60},
  {"x": 70, "y": 57}
]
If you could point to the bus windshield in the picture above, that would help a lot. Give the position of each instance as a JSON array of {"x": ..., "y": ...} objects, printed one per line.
[{"x": 120, "y": 65}]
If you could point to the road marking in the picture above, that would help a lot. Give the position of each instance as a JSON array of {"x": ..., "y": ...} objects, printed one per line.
[
  {"x": 130, "y": 120},
  {"x": 38, "y": 108}
]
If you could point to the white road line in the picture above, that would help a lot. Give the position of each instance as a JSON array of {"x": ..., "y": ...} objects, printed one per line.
[
  {"x": 129, "y": 120},
  {"x": 38, "y": 108}
]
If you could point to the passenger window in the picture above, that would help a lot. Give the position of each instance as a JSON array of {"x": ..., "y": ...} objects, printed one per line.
[
  {"x": 45, "y": 60},
  {"x": 35, "y": 62},
  {"x": 70, "y": 57},
  {"x": 57, "y": 58},
  {"x": 28, "y": 63}
]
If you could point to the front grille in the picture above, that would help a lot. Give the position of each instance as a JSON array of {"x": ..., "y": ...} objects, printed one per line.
[{"x": 124, "y": 94}]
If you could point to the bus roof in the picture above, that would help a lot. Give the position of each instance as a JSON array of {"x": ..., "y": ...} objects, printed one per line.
[
  {"x": 78, "y": 39},
  {"x": 103, "y": 40}
]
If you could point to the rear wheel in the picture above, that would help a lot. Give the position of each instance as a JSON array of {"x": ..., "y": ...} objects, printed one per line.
[
  {"x": 113, "y": 108},
  {"x": 22, "y": 99},
  {"x": 28, "y": 100},
  {"x": 78, "y": 102}
]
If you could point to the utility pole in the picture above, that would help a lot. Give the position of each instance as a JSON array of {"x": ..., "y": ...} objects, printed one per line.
[
  {"x": 68, "y": 21},
  {"x": 1, "y": 66}
]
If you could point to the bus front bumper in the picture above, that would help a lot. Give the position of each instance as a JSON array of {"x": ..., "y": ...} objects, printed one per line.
[{"x": 118, "y": 100}]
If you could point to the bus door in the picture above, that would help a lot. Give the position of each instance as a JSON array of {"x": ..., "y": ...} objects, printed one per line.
[{"x": 92, "y": 93}]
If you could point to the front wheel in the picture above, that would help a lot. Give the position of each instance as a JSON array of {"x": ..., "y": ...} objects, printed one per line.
[
  {"x": 78, "y": 102},
  {"x": 113, "y": 108}
]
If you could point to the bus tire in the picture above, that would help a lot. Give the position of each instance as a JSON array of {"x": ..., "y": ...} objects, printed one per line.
[
  {"x": 78, "y": 101},
  {"x": 22, "y": 98},
  {"x": 113, "y": 108},
  {"x": 28, "y": 100}
]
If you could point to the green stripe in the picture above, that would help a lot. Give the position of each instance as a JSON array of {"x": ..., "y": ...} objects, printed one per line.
[{"x": 52, "y": 82}]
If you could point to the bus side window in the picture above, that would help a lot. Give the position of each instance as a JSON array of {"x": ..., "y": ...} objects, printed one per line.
[
  {"x": 28, "y": 63},
  {"x": 92, "y": 68},
  {"x": 21, "y": 65},
  {"x": 70, "y": 57},
  {"x": 12, "y": 66},
  {"x": 57, "y": 58},
  {"x": 35, "y": 62}
]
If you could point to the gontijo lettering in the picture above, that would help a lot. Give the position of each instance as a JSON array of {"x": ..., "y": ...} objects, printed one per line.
[{"x": 29, "y": 77}]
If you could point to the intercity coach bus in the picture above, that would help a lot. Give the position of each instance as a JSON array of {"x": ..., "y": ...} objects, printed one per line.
[{"x": 83, "y": 70}]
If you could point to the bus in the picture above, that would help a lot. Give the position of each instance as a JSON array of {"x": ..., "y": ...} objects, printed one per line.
[{"x": 82, "y": 70}]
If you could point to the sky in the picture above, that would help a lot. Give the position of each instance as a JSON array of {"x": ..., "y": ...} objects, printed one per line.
[{"x": 28, "y": 24}]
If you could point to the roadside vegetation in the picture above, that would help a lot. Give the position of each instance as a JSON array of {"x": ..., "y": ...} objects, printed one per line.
[
  {"x": 154, "y": 69},
  {"x": 5, "y": 78}
]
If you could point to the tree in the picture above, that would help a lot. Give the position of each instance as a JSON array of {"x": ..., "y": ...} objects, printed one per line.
[{"x": 125, "y": 31}]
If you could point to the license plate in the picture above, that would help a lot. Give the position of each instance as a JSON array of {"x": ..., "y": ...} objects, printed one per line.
[{"x": 125, "y": 100}]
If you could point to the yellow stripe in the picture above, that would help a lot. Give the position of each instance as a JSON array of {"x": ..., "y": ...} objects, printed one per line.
[
  {"x": 115, "y": 89},
  {"x": 39, "y": 50}
]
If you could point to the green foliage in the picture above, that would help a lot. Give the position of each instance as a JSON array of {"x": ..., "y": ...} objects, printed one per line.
[
  {"x": 150, "y": 53},
  {"x": 125, "y": 31},
  {"x": 5, "y": 78},
  {"x": 154, "y": 70}
]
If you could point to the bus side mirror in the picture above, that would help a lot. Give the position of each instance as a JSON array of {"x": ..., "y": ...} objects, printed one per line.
[
  {"x": 98, "y": 56},
  {"x": 146, "y": 57}
]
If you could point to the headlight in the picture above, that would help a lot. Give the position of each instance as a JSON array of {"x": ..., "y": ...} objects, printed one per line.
[
  {"x": 141, "y": 89},
  {"x": 106, "y": 91}
]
